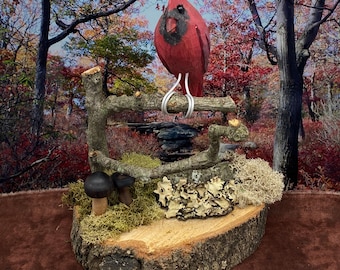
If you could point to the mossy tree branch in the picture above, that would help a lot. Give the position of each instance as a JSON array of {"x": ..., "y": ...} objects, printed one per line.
[
  {"x": 201, "y": 160},
  {"x": 99, "y": 107}
]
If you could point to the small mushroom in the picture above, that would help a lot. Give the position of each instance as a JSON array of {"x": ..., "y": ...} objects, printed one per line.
[
  {"x": 98, "y": 186},
  {"x": 123, "y": 183}
]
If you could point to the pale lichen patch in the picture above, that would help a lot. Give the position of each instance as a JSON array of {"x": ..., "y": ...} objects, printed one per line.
[{"x": 252, "y": 182}]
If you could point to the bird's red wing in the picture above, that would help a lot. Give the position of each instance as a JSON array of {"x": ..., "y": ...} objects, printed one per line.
[
  {"x": 205, "y": 47},
  {"x": 206, "y": 50},
  {"x": 165, "y": 63}
]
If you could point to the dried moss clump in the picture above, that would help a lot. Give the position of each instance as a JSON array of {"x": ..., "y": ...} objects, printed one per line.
[
  {"x": 254, "y": 182},
  {"x": 76, "y": 196}
]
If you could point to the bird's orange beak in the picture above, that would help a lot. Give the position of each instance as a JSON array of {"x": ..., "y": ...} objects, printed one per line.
[{"x": 171, "y": 24}]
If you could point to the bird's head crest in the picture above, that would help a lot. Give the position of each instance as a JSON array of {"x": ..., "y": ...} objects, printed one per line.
[{"x": 177, "y": 4}]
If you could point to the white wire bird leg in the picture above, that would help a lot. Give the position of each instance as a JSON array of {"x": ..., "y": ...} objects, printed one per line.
[{"x": 190, "y": 98}]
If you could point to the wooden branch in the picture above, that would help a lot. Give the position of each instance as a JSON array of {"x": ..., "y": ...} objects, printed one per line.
[
  {"x": 96, "y": 139},
  {"x": 270, "y": 50},
  {"x": 118, "y": 7},
  {"x": 202, "y": 160},
  {"x": 99, "y": 107},
  {"x": 177, "y": 103},
  {"x": 311, "y": 30}
]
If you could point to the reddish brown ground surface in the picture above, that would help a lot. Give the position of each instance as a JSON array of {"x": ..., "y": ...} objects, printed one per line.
[{"x": 302, "y": 232}]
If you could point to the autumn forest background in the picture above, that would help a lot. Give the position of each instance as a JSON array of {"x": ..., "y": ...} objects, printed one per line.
[{"x": 43, "y": 117}]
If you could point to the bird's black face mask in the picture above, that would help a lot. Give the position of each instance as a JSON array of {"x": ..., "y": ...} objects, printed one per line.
[{"x": 174, "y": 24}]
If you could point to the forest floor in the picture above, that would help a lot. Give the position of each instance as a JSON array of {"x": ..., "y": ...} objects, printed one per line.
[{"x": 302, "y": 232}]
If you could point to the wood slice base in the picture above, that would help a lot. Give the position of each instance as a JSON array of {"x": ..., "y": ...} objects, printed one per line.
[{"x": 211, "y": 244}]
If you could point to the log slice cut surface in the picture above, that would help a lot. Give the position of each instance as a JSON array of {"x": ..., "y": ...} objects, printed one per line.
[{"x": 212, "y": 243}]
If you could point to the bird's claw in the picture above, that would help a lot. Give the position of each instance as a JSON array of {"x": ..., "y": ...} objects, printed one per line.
[
  {"x": 190, "y": 98},
  {"x": 169, "y": 94}
]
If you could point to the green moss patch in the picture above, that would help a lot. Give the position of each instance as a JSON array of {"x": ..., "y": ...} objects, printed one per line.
[{"x": 118, "y": 218}]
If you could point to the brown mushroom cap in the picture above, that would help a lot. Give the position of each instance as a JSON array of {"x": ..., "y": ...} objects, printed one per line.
[
  {"x": 122, "y": 180},
  {"x": 98, "y": 185}
]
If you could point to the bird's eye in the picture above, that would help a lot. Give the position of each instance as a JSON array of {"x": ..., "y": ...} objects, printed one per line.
[{"x": 180, "y": 9}]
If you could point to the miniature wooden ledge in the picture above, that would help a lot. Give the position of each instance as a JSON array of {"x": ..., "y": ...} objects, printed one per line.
[
  {"x": 92, "y": 80},
  {"x": 177, "y": 103},
  {"x": 213, "y": 243}
]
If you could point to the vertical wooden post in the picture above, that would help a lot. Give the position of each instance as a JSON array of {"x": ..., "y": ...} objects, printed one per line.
[{"x": 97, "y": 115}]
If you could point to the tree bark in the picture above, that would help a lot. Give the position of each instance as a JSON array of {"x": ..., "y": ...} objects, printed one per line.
[
  {"x": 40, "y": 76},
  {"x": 289, "y": 114}
]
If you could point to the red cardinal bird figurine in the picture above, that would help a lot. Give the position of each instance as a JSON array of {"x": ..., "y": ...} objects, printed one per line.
[{"x": 183, "y": 45}]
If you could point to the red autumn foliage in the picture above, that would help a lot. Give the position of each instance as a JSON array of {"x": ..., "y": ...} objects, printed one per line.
[
  {"x": 62, "y": 157},
  {"x": 50, "y": 162},
  {"x": 262, "y": 133},
  {"x": 319, "y": 157},
  {"x": 124, "y": 140}
]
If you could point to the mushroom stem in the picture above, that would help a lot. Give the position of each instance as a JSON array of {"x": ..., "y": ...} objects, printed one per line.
[
  {"x": 98, "y": 186},
  {"x": 123, "y": 182},
  {"x": 125, "y": 196},
  {"x": 99, "y": 206}
]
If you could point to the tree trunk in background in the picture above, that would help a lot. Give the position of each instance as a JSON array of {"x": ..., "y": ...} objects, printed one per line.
[
  {"x": 45, "y": 43},
  {"x": 292, "y": 56},
  {"x": 285, "y": 158},
  {"x": 40, "y": 76}
]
